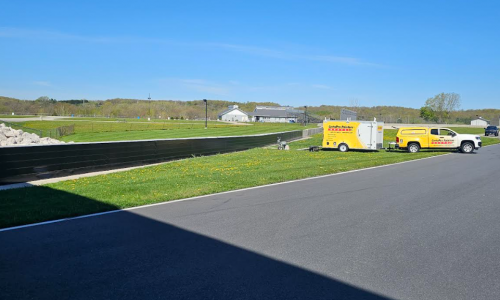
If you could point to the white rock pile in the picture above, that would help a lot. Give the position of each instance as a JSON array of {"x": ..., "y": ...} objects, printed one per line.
[{"x": 13, "y": 137}]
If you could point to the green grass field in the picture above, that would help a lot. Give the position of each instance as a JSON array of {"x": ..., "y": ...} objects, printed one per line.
[
  {"x": 176, "y": 133},
  {"x": 468, "y": 130},
  {"x": 18, "y": 125},
  {"x": 83, "y": 126},
  {"x": 98, "y": 119},
  {"x": 87, "y": 131}
]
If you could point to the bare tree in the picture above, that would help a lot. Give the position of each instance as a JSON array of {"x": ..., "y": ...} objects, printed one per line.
[
  {"x": 354, "y": 104},
  {"x": 443, "y": 105}
]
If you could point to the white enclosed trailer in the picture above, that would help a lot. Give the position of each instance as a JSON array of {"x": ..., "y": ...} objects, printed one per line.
[{"x": 345, "y": 135}]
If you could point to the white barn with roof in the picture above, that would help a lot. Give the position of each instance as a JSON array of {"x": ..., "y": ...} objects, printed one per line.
[
  {"x": 233, "y": 114},
  {"x": 480, "y": 122},
  {"x": 275, "y": 114}
]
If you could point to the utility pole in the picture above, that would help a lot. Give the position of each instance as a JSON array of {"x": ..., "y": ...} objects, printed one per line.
[
  {"x": 305, "y": 115},
  {"x": 149, "y": 98},
  {"x": 206, "y": 113}
]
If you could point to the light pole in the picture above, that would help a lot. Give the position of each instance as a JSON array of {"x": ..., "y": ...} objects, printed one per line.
[
  {"x": 149, "y": 98},
  {"x": 206, "y": 113},
  {"x": 305, "y": 115}
]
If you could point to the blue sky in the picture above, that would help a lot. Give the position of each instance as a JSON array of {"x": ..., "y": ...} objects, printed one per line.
[{"x": 290, "y": 52}]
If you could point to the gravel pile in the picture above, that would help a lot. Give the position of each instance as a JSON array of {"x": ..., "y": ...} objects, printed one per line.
[{"x": 13, "y": 137}]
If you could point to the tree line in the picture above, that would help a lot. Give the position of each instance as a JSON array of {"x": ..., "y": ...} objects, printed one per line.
[
  {"x": 442, "y": 108},
  {"x": 122, "y": 108}
]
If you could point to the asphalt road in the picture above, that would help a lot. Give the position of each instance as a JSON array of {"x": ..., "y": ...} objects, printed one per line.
[
  {"x": 44, "y": 118},
  {"x": 426, "y": 229}
]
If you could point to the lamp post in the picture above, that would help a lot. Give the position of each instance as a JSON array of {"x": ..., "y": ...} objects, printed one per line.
[
  {"x": 206, "y": 113},
  {"x": 149, "y": 98},
  {"x": 305, "y": 115}
]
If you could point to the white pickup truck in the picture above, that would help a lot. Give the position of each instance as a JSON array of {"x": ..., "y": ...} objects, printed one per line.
[{"x": 415, "y": 138}]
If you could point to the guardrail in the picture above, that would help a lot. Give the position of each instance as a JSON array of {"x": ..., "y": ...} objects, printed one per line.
[{"x": 27, "y": 163}]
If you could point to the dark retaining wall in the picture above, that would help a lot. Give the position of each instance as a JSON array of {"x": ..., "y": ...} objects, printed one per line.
[{"x": 26, "y": 163}]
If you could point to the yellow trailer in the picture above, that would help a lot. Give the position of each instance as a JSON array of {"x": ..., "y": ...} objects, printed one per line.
[{"x": 345, "y": 135}]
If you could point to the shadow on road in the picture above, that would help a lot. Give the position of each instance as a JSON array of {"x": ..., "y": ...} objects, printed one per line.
[
  {"x": 34, "y": 204},
  {"x": 127, "y": 256}
]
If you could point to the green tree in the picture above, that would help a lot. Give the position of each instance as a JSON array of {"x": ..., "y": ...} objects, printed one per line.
[
  {"x": 428, "y": 114},
  {"x": 45, "y": 100}
]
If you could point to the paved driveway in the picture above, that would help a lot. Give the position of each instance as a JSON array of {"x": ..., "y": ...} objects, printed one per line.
[{"x": 45, "y": 118}]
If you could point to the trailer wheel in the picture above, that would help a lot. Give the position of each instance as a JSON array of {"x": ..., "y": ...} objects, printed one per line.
[
  {"x": 413, "y": 147},
  {"x": 343, "y": 148},
  {"x": 467, "y": 147}
]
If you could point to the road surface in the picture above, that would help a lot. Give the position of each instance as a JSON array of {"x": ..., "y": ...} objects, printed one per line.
[
  {"x": 426, "y": 229},
  {"x": 27, "y": 119}
]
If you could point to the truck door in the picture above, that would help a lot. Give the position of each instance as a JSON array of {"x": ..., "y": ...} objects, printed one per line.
[
  {"x": 435, "y": 140},
  {"x": 448, "y": 137},
  {"x": 442, "y": 138}
]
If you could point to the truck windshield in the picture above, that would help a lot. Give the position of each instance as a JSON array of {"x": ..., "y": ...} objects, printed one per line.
[{"x": 492, "y": 127}]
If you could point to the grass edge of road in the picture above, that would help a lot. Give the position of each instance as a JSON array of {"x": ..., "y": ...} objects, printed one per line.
[{"x": 183, "y": 179}]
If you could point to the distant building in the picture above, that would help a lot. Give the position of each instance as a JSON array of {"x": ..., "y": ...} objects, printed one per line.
[
  {"x": 275, "y": 114},
  {"x": 479, "y": 122},
  {"x": 233, "y": 114},
  {"x": 346, "y": 114}
]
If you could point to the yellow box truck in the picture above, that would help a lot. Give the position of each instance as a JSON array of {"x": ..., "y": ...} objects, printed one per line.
[{"x": 345, "y": 135}]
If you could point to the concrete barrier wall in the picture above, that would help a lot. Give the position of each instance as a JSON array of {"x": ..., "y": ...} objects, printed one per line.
[
  {"x": 27, "y": 163},
  {"x": 312, "y": 131}
]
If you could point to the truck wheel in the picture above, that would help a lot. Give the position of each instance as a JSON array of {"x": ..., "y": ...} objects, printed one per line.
[
  {"x": 413, "y": 147},
  {"x": 343, "y": 148},
  {"x": 467, "y": 147}
]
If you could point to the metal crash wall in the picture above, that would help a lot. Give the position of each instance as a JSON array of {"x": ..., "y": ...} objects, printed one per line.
[{"x": 27, "y": 163}]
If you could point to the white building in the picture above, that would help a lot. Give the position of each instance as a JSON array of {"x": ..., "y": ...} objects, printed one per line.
[
  {"x": 233, "y": 114},
  {"x": 479, "y": 122},
  {"x": 275, "y": 114}
]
